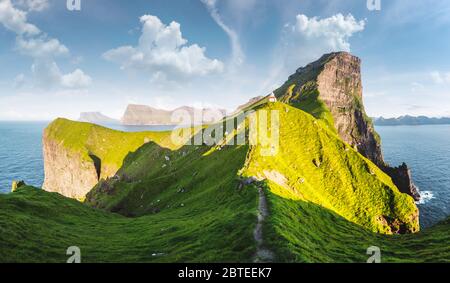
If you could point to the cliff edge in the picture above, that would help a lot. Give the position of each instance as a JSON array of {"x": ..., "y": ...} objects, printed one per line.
[
  {"x": 78, "y": 155},
  {"x": 331, "y": 89}
]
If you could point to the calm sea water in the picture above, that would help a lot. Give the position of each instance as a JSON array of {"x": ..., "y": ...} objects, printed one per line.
[
  {"x": 426, "y": 149},
  {"x": 21, "y": 151}
]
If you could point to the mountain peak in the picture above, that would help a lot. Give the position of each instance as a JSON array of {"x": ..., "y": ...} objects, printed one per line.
[{"x": 330, "y": 89}]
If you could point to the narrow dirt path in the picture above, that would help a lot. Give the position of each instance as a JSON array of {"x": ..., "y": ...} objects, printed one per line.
[{"x": 262, "y": 254}]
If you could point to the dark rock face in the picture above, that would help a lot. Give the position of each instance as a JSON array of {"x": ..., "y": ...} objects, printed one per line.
[
  {"x": 17, "y": 185},
  {"x": 337, "y": 79},
  {"x": 340, "y": 87},
  {"x": 401, "y": 176}
]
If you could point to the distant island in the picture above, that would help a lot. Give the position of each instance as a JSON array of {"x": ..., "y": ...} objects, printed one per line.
[
  {"x": 143, "y": 115},
  {"x": 97, "y": 118},
  {"x": 410, "y": 121}
]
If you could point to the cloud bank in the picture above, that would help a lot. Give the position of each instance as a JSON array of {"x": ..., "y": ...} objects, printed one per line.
[
  {"x": 163, "y": 52},
  {"x": 34, "y": 43},
  {"x": 308, "y": 38},
  {"x": 32, "y": 5}
]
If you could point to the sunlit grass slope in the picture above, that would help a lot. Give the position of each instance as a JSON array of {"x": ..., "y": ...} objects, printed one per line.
[
  {"x": 203, "y": 224},
  {"x": 110, "y": 146},
  {"x": 299, "y": 231},
  {"x": 193, "y": 204},
  {"x": 37, "y": 226},
  {"x": 313, "y": 164}
]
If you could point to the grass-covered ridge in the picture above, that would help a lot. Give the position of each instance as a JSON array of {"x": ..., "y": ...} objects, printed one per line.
[
  {"x": 193, "y": 204},
  {"x": 110, "y": 146},
  {"x": 299, "y": 231},
  {"x": 37, "y": 226},
  {"x": 314, "y": 165}
]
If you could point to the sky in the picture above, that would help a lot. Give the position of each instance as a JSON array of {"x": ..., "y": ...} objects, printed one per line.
[{"x": 58, "y": 62}]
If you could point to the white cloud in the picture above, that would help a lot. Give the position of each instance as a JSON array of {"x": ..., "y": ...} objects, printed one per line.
[
  {"x": 76, "y": 79},
  {"x": 16, "y": 20},
  {"x": 33, "y": 5},
  {"x": 48, "y": 75},
  {"x": 162, "y": 49},
  {"x": 329, "y": 33},
  {"x": 237, "y": 53},
  {"x": 41, "y": 47},
  {"x": 440, "y": 78},
  {"x": 308, "y": 39},
  {"x": 34, "y": 43}
]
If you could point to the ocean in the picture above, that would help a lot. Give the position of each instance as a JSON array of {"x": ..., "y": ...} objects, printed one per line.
[{"x": 426, "y": 149}]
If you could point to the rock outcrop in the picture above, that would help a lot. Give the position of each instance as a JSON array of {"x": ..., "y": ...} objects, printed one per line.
[
  {"x": 66, "y": 171},
  {"x": 401, "y": 176},
  {"x": 17, "y": 185},
  {"x": 78, "y": 155},
  {"x": 142, "y": 115},
  {"x": 336, "y": 78}
]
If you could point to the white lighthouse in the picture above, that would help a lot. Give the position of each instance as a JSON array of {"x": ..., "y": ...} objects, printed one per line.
[{"x": 272, "y": 98}]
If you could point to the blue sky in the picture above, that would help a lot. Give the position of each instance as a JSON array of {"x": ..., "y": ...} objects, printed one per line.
[{"x": 57, "y": 62}]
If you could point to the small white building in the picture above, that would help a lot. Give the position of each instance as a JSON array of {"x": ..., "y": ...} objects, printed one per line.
[{"x": 272, "y": 98}]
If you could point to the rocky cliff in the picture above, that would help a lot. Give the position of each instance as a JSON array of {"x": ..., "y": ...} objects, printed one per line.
[
  {"x": 333, "y": 83},
  {"x": 142, "y": 115},
  {"x": 77, "y": 155},
  {"x": 66, "y": 171}
]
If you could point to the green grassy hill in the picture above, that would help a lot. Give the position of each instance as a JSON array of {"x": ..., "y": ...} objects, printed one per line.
[
  {"x": 196, "y": 204},
  {"x": 110, "y": 146},
  {"x": 37, "y": 226},
  {"x": 312, "y": 164}
]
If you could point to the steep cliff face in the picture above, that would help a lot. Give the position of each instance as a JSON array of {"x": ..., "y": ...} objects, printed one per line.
[
  {"x": 66, "y": 172},
  {"x": 77, "y": 155},
  {"x": 332, "y": 85},
  {"x": 340, "y": 87}
]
